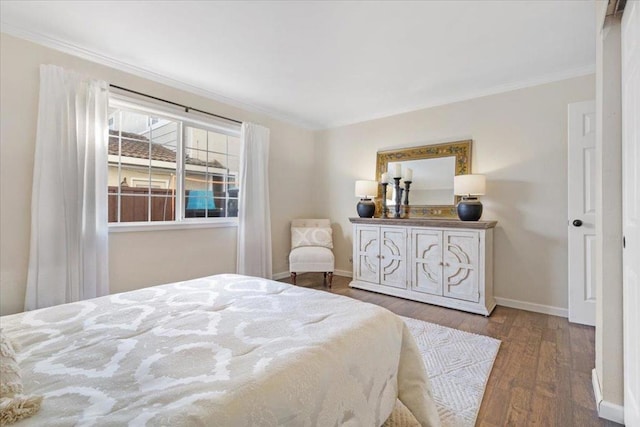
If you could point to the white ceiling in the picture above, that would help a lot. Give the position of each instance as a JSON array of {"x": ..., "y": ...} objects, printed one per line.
[{"x": 324, "y": 64}]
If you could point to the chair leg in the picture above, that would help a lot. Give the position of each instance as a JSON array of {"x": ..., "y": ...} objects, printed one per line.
[
  {"x": 293, "y": 277},
  {"x": 330, "y": 278}
]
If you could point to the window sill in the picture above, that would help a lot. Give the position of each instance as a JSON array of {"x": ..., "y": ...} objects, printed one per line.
[{"x": 160, "y": 226}]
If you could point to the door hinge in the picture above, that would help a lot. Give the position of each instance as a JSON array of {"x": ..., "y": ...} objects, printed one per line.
[{"x": 624, "y": 242}]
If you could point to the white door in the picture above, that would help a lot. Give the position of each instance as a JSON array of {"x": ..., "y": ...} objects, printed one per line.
[
  {"x": 582, "y": 212},
  {"x": 631, "y": 210}
]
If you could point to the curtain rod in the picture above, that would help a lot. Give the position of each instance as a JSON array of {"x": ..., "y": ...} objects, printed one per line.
[{"x": 186, "y": 108}]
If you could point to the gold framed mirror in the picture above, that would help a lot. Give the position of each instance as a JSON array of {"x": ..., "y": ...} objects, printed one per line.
[{"x": 434, "y": 166}]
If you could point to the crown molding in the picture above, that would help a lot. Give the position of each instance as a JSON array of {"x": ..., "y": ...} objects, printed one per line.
[
  {"x": 89, "y": 55},
  {"x": 92, "y": 56},
  {"x": 495, "y": 90}
]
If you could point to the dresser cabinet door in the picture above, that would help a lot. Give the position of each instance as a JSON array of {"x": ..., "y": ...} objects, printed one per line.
[
  {"x": 393, "y": 257},
  {"x": 461, "y": 262},
  {"x": 366, "y": 255},
  {"x": 426, "y": 261}
]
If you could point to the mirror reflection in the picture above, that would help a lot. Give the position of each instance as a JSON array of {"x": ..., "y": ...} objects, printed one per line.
[{"x": 432, "y": 182}]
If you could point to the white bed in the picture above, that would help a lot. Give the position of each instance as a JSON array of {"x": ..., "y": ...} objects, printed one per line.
[{"x": 224, "y": 350}]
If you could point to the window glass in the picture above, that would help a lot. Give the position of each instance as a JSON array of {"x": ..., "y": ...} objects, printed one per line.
[
  {"x": 145, "y": 184},
  {"x": 208, "y": 174}
]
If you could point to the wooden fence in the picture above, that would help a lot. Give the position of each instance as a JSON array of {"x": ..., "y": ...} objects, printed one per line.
[{"x": 134, "y": 205}]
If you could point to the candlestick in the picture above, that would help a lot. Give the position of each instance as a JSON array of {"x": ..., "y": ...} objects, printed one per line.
[
  {"x": 407, "y": 184},
  {"x": 385, "y": 210},
  {"x": 398, "y": 197}
]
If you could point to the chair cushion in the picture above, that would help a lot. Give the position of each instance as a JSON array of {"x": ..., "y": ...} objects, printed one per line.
[
  {"x": 311, "y": 236},
  {"x": 311, "y": 258}
]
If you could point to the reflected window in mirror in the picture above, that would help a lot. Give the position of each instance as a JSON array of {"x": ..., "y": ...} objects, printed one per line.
[{"x": 432, "y": 182}]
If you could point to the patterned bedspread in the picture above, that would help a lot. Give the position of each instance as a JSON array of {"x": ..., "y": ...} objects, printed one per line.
[{"x": 224, "y": 350}]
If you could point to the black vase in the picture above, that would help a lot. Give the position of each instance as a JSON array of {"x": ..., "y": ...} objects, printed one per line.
[
  {"x": 366, "y": 208},
  {"x": 469, "y": 209}
]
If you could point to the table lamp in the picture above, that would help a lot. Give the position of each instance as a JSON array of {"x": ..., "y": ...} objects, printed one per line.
[
  {"x": 469, "y": 187},
  {"x": 365, "y": 190}
]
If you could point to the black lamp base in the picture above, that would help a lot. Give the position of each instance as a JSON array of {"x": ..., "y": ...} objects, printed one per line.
[
  {"x": 366, "y": 208},
  {"x": 469, "y": 209}
]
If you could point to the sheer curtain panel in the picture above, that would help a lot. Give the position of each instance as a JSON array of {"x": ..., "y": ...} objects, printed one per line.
[
  {"x": 254, "y": 220},
  {"x": 68, "y": 253}
]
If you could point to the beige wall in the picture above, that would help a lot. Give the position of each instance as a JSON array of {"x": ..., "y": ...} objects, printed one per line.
[
  {"x": 519, "y": 142},
  {"x": 143, "y": 258}
]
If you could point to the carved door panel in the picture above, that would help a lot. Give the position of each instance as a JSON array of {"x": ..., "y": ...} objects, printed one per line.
[
  {"x": 393, "y": 257},
  {"x": 460, "y": 257},
  {"x": 366, "y": 256},
  {"x": 426, "y": 261}
]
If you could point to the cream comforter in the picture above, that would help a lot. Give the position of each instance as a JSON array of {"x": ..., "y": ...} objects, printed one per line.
[{"x": 225, "y": 350}]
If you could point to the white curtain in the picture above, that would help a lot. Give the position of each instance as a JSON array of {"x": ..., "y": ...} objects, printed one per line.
[
  {"x": 254, "y": 220},
  {"x": 68, "y": 253}
]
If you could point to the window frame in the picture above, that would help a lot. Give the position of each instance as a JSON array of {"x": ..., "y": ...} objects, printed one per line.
[{"x": 184, "y": 120}]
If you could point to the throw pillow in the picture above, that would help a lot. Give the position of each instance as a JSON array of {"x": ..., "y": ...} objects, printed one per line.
[
  {"x": 14, "y": 405},
  {"x": 10, "y": 381},
  {"x": 311, "y": 236}
]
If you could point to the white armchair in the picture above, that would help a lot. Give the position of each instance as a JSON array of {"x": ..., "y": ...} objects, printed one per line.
[{"x": 311, "y": 248}]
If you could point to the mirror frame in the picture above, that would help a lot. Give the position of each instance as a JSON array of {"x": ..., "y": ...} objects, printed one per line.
[{"x": 461, "y": 150}]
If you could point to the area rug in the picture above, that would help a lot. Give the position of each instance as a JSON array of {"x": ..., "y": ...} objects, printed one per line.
[{"x": 458, "y": 364}]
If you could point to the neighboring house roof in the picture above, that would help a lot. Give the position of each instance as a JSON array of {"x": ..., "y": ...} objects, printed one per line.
[{"x": 137, "y": 146}]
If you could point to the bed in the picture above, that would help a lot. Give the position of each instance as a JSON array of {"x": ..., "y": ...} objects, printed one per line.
[{"x": 225, "y": 350}]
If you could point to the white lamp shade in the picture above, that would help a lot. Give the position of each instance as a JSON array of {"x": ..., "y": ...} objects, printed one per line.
[
  {"x": 366, "y": 188},
  {"x": 469, "y": 185}
]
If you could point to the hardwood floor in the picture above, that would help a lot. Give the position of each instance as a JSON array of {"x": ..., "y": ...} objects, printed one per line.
[{"x": 542, "y": 374}]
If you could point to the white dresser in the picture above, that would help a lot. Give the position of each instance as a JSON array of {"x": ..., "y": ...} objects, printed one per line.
[{"x": 445, "y": 262}]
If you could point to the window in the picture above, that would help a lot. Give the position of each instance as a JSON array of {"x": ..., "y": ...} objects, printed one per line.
[{"x": 167, "y": 168}]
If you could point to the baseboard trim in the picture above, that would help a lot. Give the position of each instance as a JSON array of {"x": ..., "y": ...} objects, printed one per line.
[
  {"x": 530, "y": 306},
  {"x": 285, "y": 274},
  {"x": 281, "y": 275},
  {"x": 343, "y": 273},
  {"x": 607, "y": 410}
]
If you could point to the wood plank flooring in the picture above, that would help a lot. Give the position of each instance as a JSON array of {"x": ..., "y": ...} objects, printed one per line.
[{"x": 542, "y": 374}]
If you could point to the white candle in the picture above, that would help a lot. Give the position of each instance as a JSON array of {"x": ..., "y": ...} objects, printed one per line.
[
  {"x": 408, "y": 174},
  {"x": 385, "y": 178},
  {"x": 398, "y": 170}
]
